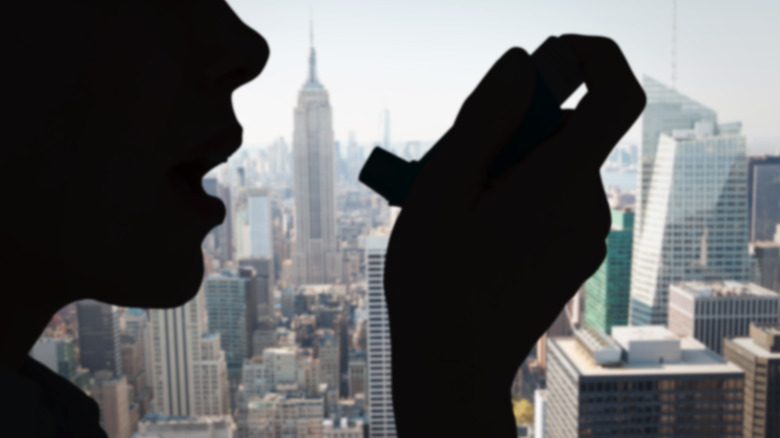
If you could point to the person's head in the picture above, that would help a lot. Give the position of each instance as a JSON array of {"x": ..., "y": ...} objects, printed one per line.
[{"x": 102, "y": 100}]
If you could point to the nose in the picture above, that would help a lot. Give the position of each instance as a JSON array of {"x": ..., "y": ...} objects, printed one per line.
[{"x": 244, "y": 55}]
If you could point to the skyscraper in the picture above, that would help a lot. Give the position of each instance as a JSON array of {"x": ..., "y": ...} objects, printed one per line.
[
  {"x": 666, "y": 110},
  {"x": 607, "y": 291},
  {"x": 764, "y": 196},
  {"x": 190, "y": 371},
  {"x": 316, "y": 247},
  {"x": 380, "y": 398},
  {"x": 694, "y": 226},
  {"x": 99, "y": 347}
]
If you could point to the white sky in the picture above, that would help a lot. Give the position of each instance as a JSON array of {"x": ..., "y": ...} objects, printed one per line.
[{"x": 423, "y": 57}]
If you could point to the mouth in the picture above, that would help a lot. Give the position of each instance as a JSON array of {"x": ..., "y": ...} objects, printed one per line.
[{"x": 187, "y": 175}]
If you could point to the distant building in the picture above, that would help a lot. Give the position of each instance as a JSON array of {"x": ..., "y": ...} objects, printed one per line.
[
  {"x": 58, "y": 354},
  {"x": 328, "y": 355},
  {"x": 712, "y": 311},
  {"x": 759, "y": 356},
  {"x": 540, "y": 413},
  {"x": 98, "y": 327},
  {"x": 232, "y": 311},
  {"x": 343, "y": 428},
  {"x": 160, "y": 426},
  {"x": 111, "y": 395},
  {"x": 767, "y": 260},
  {"x": 640, "y": 381},
  {"x": 259, "y": 219},
  {"x": 607, "y": 290},
  {"x": 763, "y": 193},
  {"x": 381, "y": 419},
  {"x": 189, "y": 366},
  {"x": 278, "y": 416},
  {"x": 133, "y": 364},
  {"x": 357, "y": 373},
  {"x": 262, "y": 285},
  {"x": 316, "y": 257}
]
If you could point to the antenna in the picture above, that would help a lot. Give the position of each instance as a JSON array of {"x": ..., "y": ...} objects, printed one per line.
[
  {"x": 674, "y": 42},
  {"x": 311, "y": 27}
]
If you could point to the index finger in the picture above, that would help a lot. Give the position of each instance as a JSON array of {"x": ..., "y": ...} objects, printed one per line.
[{"x": 612, "y": 104}]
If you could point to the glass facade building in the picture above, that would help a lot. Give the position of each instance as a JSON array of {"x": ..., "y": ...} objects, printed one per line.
[
  {"x": 695, "y": 226},
  {"x": 607, "y": 291},
  {"x": 227, "y": 299}
]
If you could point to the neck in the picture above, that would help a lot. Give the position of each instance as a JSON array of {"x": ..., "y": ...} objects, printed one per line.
[
  {"x": 38, "y": 294},
  {"x": 21, "y": 325}
]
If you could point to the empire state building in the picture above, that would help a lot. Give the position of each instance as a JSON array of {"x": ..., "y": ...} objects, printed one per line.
[{"x": 316, "y": 259}]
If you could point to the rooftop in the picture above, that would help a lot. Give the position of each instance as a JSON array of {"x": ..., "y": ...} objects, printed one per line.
[
  {"x": 699, "y": 289},
  {"x": 694, "y": 357},
  {"x": 751, "y": 346}
]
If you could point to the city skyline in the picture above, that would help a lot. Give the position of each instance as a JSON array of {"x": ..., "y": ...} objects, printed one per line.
[
  {"x": 457, "y": 43},
  {"x": 309, "y": 356}
]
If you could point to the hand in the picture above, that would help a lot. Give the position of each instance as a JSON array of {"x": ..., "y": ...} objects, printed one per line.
[{"x": 477, "y": 269}]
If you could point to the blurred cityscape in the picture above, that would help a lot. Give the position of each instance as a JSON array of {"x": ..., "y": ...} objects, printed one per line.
[{"x": 676, "y": 334}]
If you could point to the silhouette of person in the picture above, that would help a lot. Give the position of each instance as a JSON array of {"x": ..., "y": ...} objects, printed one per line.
[{"x": 108, "y": 103}]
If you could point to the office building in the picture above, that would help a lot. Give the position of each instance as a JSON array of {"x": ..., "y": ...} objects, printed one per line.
[
  {"x": 316, "y": 258},
  {"x": 710, "y": 312},
  {"x": 607, "y": 290},
  {"x": 137, "y": 361},
  {"x": 759, "y": 356},
  {"x": 226, "y": 236},
  {"x": 278, "y": 416},
  {"x": 381, "y": 420},
  {"x": 111, "y": 395},
  {"x": 275, "y": 368},
  {"x": 766, "y": 256},
  {"x": 98, "y": 339},
  {"x": 357, "y": 373},
  {"x": 189, "y": 366},
  {"x": 259, "y": 220},
  {"x": 641, "y": 381},
  {"x": 162, "y": 426},
  {"x": 540, "y": 413},
  {"x": 58, "y": 354},
  {"x": 666, "y": 110},
  {"x": 343, "y": 428},
  {"x": 328, "y": 355},
  {"x": 695, "y": 225},
  {"x": 256, "y": 377},
  {"x": 262, "y": 284},
  {"x": 231, "y": 305},
  {"x": 763, "y": 195}
]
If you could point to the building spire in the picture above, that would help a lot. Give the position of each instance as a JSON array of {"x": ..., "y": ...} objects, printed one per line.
[{"x": 312, "y": 82}]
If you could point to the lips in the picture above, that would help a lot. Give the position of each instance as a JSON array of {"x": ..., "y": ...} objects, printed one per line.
[{"x": 189, "y": 172}]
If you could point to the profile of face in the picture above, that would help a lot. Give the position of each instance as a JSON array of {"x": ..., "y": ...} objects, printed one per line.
[{"x": 117, "y": 110}]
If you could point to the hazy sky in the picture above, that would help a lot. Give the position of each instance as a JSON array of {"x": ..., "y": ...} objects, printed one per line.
[{"x": 421, "y": 58}]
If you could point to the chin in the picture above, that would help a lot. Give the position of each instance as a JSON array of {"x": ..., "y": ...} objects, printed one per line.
[{"x": 167, "y": 282}]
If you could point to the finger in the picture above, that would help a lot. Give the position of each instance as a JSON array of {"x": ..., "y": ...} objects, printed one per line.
[
  {"x": 612, "y": 104},
  {"x": 484, "y": 125}
]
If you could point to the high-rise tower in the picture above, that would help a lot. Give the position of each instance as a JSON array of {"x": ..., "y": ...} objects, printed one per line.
[
  {"x": 380, "y": 396},
  {"x": 316, "y": 249},
  {"x": 695, "y": 224}
]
